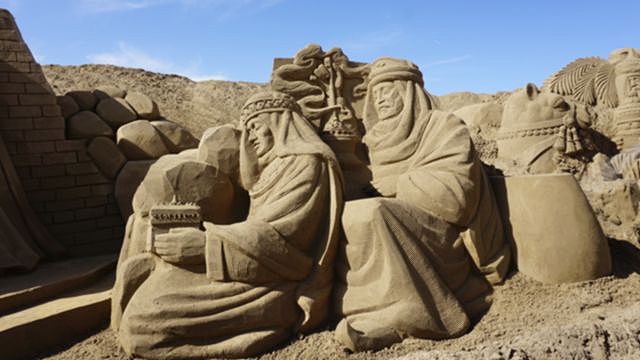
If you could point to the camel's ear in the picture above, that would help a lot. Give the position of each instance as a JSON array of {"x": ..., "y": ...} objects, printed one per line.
[{"x": 532, "y": 91}]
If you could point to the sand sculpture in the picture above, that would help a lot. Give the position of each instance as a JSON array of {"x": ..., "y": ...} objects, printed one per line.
[
  {"x": 428, "y": 185},
  {"x": 232, "y": 247},
  {"x": 190, "y": 286},
  {"x": 543, "y": 133},
  {"x": 610, "y": 89},
  {"x": 544, "y": 141},
  {"x": 423, "y": 238},
  {"x": 570, "y": 246},
  {"x": 612, "y": 84},
  {"x": 416, "y": 177}
]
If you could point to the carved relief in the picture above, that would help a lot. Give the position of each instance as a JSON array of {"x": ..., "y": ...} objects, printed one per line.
[
  {"x": 395, "y": 282},
  {"x": 612, "y": 84},
  {"x": 195, "y": 285},
  {"x": 326, "y": 85},
  {"x": 544, "y": 133}
]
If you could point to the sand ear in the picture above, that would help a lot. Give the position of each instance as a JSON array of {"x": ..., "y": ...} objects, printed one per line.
[{"x": 532, "y": 91}]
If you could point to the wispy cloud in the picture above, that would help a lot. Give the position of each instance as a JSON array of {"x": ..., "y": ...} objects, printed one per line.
[
  {"x": 225, "y": 8},
  {"x": 373, "y": 41},
  {"x": 447, "y": 61},
  {"x": 194, "y": 72},
  {"x": 102, "y": 6},
  {"x": 129, "y": 56}
]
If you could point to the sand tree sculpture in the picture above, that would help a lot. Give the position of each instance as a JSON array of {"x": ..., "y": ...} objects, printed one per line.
[
  {"x": 330, "y": 90},
  {"x": 325, "y": 84}
]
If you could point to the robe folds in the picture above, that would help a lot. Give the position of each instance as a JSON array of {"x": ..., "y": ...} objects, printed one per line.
[
  {"x": 412, "y": 263},
  {"x": 264, "y": 279}
]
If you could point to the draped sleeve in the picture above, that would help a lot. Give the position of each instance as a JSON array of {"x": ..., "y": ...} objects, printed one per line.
[
  {"x": 443, "y": 176},
  {"x": 274, "y": 243}
]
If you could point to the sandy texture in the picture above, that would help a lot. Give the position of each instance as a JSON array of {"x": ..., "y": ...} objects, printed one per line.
[
  {"x": 456, "y": 100},
  {"x": 596, "y": 319},
  {"x": 194, "y": 105},
  {"x": 589, "y": 320}
]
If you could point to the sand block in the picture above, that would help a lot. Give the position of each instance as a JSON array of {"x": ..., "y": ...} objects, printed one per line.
[
  {"x": 129, "y": 178},
  {"x": 85, "y": 99},
  {"x": 86, "y": 125},
  {"x": 115, "y": 111},
  {"x": 107, "y": 156},
  {"x": 139, "y": 140},
  {"x": 556, "y": 236},
  {"x": 176, "y": 137},
  {"x": 143, "y": 105}
]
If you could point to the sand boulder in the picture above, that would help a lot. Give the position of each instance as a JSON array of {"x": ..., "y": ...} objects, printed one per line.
[
  {"x": 139, "y": 140},
  {"x": 175, "y": 136},
  {"x": 86, "y": 125},
  {"x": 68, "y": 106},
  {"x": 129, "y": 178},
  {"x": 220, "y": 147},
  {"x": 85, "y": 99},
  {"x": 115, "y": 111},
  {"x": 107, "y": 156},
  {"x": 143, "y": 105},
  {"x": 103, "y": 92}
]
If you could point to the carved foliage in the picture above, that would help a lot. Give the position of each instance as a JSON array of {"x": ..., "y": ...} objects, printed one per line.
[
  {"x": 589, "y": 81},
  {"x": 325, "y": 85}
]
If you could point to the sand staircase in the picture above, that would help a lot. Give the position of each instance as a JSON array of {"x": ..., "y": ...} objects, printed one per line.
[{"x": 53, "y": 305}]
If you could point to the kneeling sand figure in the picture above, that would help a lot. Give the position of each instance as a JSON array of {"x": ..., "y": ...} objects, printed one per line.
[
  {"x": 238, "y": 290},
  {"x": 407, "y": 269}
]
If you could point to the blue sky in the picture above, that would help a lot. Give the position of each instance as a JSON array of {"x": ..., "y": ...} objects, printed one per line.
[{"x": 480, "y": 46}]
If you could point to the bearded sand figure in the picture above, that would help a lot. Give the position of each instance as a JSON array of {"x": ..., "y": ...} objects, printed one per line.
[
  {"x": 260, "y": 280},
  {"x": 408, "y": 267}
]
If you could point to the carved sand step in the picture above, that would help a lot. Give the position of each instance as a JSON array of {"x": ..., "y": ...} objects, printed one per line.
[
  {"x": 28, "y": 332},
  {"x": 50, "y": 280}
]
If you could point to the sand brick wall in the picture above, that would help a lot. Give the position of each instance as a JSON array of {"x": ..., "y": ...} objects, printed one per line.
[{"x": 72, "y": 198}]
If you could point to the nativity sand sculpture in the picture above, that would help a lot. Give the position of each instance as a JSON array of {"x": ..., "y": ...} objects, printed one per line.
[
  {"x": 611, "y": 88},
  {"x": 421, "y": 225},
  {"x": 405, "y": 270},
  {"x": 416, "y": 250},
  {"x": 544, "y": 142},
  {"x": 189, "y": 286}
]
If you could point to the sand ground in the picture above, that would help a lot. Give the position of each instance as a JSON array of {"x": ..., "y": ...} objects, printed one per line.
[{"x": 597, "y": 319}]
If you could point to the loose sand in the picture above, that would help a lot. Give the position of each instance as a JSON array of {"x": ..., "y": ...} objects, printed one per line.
[{"x": 528, "y": 320}]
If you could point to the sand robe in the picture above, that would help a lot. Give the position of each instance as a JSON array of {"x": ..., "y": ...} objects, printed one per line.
[
  {"x": 406, "y": 270},
  {"x": 264, "y": 279}
]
